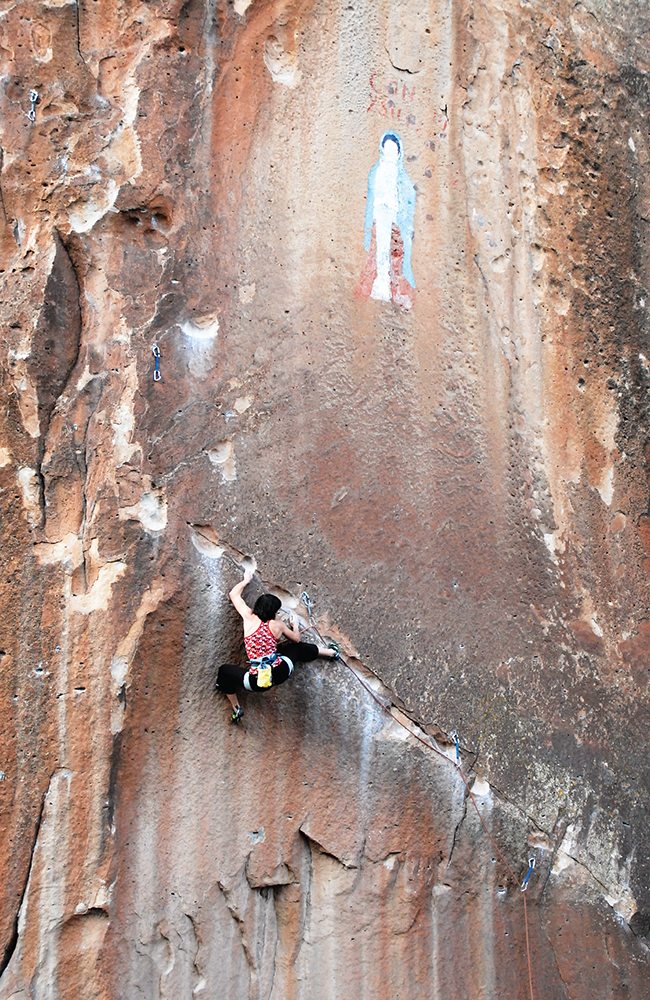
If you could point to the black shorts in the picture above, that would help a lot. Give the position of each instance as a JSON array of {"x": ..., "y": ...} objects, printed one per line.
[
  {"x": 230, "y": 678},
  {"x": 298, "y": 652}
]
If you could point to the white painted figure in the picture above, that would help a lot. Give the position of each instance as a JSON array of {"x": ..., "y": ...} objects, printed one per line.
[{"x": 391, "y": 201}]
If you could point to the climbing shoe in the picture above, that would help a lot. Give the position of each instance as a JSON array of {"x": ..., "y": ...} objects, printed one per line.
[
  {"x": 237, "y": 715},
  {"x": 337, "y": 649}
]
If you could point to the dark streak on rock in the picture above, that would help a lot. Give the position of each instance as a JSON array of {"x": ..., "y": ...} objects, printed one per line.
[
  {"x": 2, "y": 198},
  {"x": 78, "y": 32},
  {"x": 10, "y": 947},
  {"x": 458, "y": 826},
  {"x": 116, "y": 755}
]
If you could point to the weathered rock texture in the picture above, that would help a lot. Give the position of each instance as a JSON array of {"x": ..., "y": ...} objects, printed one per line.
[{"x": 463, "y": 488}]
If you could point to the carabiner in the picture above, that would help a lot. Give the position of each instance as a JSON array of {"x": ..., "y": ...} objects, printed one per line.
[
  {"x": 155, "y": 350},
  {"x": 531, "y": 865},
  {"x": 33, "y": 97}
]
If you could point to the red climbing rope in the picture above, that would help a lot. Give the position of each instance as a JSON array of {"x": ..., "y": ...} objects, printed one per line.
[
  {"x": 530, "y": 971},
  {"x": 429, "y": 746}
]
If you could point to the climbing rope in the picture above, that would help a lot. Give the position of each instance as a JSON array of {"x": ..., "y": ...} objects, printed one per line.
[
  {"x": 524, "y": 886},
  {"x": 458, "y": 763}
]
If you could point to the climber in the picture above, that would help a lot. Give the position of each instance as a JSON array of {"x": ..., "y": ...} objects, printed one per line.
[{"x": 271, "y": 661}]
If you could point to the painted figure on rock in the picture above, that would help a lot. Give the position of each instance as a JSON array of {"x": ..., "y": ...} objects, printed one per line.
[
  {"x": 270, "y": 661},
  {"x": 389, "y": 227}
]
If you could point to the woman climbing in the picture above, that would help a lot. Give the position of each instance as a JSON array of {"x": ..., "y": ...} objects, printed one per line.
[{"x": 271, "y": 661}]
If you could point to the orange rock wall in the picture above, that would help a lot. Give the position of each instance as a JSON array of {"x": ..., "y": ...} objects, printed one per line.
[{"x": 459, "y": 478}]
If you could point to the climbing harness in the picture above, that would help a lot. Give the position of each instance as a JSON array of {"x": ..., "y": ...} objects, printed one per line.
[
  {"x": 33, "y": 97},
  {"x": 260, "y": 668},
  {"x": 531, "y": 865},
  {"x": 155, "y": 350},
  {"x": 458, "y": 763}
]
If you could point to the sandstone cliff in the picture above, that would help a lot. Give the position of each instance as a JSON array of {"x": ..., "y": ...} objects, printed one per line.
[{"x": 460, "y": 477}]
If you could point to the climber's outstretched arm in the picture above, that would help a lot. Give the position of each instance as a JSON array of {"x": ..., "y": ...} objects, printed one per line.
[{"x": 236, "y": 598}]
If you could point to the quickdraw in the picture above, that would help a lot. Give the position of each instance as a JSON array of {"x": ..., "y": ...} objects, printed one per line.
[
  {"x": 456, "y": 740},
  {"x": 33, "y": 97},
  {"x": 531, "y": 865},
  {"x": 307, "y": 602},
  {"x": 155, "y": 350}
]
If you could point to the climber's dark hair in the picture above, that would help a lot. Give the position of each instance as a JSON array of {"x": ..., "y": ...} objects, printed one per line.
[{"x": 267, "y": 606}]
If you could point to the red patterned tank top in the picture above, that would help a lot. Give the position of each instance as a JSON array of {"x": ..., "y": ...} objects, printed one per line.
[{"x": 261, "y": 643}]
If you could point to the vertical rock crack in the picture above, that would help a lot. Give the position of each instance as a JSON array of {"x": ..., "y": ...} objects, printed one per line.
[{"x": 12, "y": 943}]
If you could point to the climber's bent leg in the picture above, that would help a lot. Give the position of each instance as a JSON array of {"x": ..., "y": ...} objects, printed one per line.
[
  {"x": 298, "y": 652},
  {"x": 229, "y": 678},
  {"x": 305, "y": 652}
]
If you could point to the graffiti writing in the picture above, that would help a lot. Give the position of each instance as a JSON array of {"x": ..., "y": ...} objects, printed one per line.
[{"x": 393, "y": 99}]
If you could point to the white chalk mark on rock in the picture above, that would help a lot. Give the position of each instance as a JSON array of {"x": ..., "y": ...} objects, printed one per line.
[
  {"x": 123, "y": 423},
  {"x": 68, "y": 551},
  {"x": 242, "y": 404},
  {"x": 246, "y": 293},
  {"x": 30, "y": 489},
  {"x": 606, "y": 487},
  {"x": 282, "y": 65},
  {"x": 121, "y": 162},
  {"x": 206, "y": 542},
  {"x": 123, "y": 657},
  {"x": 201, "y": 327},
  {"x": 481, "y": 789},
  {"x": 84, "y": 214},
  {"x": 27, "y": 401},
  {"x": 550, "y": 543},
  {"x": 223, "y": 456},
  {"x": 86, "y": 377},
  {"x": 150, "y": 510},
  {"x": 99, "y": 595},
  {"x": 595, "y": 627}
]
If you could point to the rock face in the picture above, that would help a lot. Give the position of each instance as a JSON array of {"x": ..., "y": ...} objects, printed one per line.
[{"x": 459, "y": 476}]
